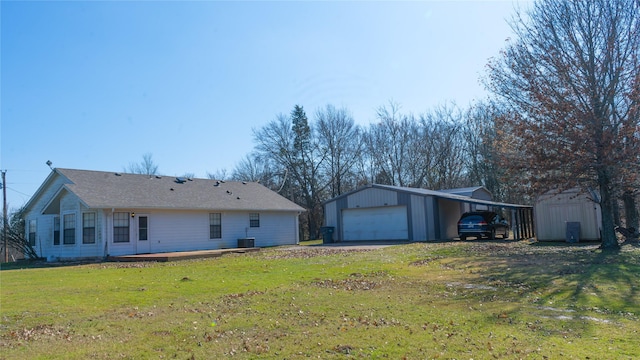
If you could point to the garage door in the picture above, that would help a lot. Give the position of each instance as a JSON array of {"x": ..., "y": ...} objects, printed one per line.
[{"x": 383, "y": 223}]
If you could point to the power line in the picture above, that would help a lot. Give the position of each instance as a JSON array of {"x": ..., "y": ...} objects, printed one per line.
[{"x": 16, "y": 191}]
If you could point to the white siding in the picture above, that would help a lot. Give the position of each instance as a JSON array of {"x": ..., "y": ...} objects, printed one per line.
[
  {"x": 180, "y": 231},
  {"x": 44, "y": 235},
  {"x": 121, "y": 248},
  {"x": 553, "y": 212},
  {"x": 69, "y": 204},
  {"x": 372, "y": 197},
  {"x": 171, "y": 231}
]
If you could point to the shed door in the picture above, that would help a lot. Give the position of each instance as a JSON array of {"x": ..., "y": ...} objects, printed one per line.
[{"x": 380, "y": 223}]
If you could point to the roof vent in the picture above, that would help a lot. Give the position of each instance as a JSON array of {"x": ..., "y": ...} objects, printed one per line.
[
  {"x": 244, "y": 183},
  {"x": 158, "y": 177},
  {"x": 117, "y": 174},
  {"x": 229, "y": 192},
  {"x": 189, "y": 179},
  {"x": 238, "y": 197},
  {"x": 171, "y": 189},
  {"x": 180, "y": 180}
]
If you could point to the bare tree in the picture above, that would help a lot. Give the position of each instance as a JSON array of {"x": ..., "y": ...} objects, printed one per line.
[
  {"x": 219, "y": 174},
  {"x": 442, "y": 141},
  {"x": 255, "y": 168},
  {"x": 339, "y": 139},
  {"x": 145, "y": 167},
  {"x": 389, "y": 142},
  {"x": 483, "y": 139},
  {"x": 290, "y": 145},
  {"x": 570, "y": 79},
  {"x": 16, "y": 239}
]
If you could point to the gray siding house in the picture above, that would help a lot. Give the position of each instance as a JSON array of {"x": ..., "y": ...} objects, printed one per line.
[
  {"x": 383, "y": 212},
  {"x": 87, "y": 214}
]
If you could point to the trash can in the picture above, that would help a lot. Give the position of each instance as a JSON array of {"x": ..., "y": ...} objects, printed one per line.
[
  {"x": 327, "y": 234},
  {"x": 573, "y": 232},
  {"x": 246, "y": 242}
]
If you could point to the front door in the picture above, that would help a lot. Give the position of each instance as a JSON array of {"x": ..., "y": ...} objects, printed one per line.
[{"x": 142, "y": 242}]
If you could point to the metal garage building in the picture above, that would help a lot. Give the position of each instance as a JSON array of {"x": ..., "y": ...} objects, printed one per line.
[{"x": 383, "y": 212}]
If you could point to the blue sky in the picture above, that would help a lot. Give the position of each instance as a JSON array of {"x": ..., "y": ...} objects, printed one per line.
[{"x": 95, "y": 85}]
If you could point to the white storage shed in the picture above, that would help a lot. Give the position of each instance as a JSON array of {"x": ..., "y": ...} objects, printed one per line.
[{"x": 555, "y": 211}]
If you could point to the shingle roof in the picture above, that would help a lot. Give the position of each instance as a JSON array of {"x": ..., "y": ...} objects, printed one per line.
[{"x": 98, "y": 189}]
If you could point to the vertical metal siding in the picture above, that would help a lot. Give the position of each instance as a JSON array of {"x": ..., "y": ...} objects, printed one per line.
[
  {"x": 430, "y": 208},
  {"x": 371, "y": 197},
  {"x": 435, "y": 216},
  {"x": 405, "y": 199},
  {"x": 418, "y": 218},
  {"x": 330, "y": 214},
  {"x": 481, "y": 194},
  {"x": 342, "y": 203}
]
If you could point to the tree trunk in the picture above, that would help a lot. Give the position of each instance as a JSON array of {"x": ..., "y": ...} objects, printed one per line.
[
  {"x": 616, "y": 211},
  {"x": 630, "y": 210},
  {"x": 609, "y": 239}
]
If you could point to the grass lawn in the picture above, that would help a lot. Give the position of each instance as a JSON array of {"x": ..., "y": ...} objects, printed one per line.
[{"x": 456, "y": 300}]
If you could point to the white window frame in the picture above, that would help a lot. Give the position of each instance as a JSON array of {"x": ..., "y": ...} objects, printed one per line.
[
  {"x": 56, "y": 223},
  {"x": 113, "y": 227},
  {"x": 95, "y": 221},
  {"x": 254, "y": 220},
  {"x": 217, "y": 223},
  {"x": 63, "y": 238},
  {"x": 33, "y": 231}
]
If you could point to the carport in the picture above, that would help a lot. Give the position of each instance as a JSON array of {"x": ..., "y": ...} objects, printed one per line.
[{"x": 520, "y": 216}]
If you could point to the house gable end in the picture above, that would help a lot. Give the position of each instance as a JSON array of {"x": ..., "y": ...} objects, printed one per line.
[
  {"x": 53, "y": 207},
  {"x": 42, "y": 200}
]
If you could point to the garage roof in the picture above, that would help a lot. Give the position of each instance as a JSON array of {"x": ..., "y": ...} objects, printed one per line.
[{"x": 439, "y": 194}]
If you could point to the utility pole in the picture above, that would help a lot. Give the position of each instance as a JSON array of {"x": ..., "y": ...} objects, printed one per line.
[{"x": 5, "y": 220}]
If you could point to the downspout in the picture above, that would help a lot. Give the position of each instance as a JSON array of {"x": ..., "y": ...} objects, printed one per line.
[
  {"x": 297, "y": 229},
  {"x": 39, "y": 244},
  {"x": 106, "y": 240}
]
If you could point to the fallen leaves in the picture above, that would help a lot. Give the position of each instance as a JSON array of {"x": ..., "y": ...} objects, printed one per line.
[
  {"x": 40, "y": 332},
  {"x": 310, "y": 252},
  {"x": 355, "y": 281},
  {"x": 426, "y": 261}
]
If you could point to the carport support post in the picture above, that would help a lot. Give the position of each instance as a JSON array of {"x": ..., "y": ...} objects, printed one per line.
[
  {"x": 525, "y": 224},
  {"x": 521, "y": 223},
  {"x": 514, "y": 223},
  {"x": 529, "y": 223},
  {"x": 533, "y": 223}
]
